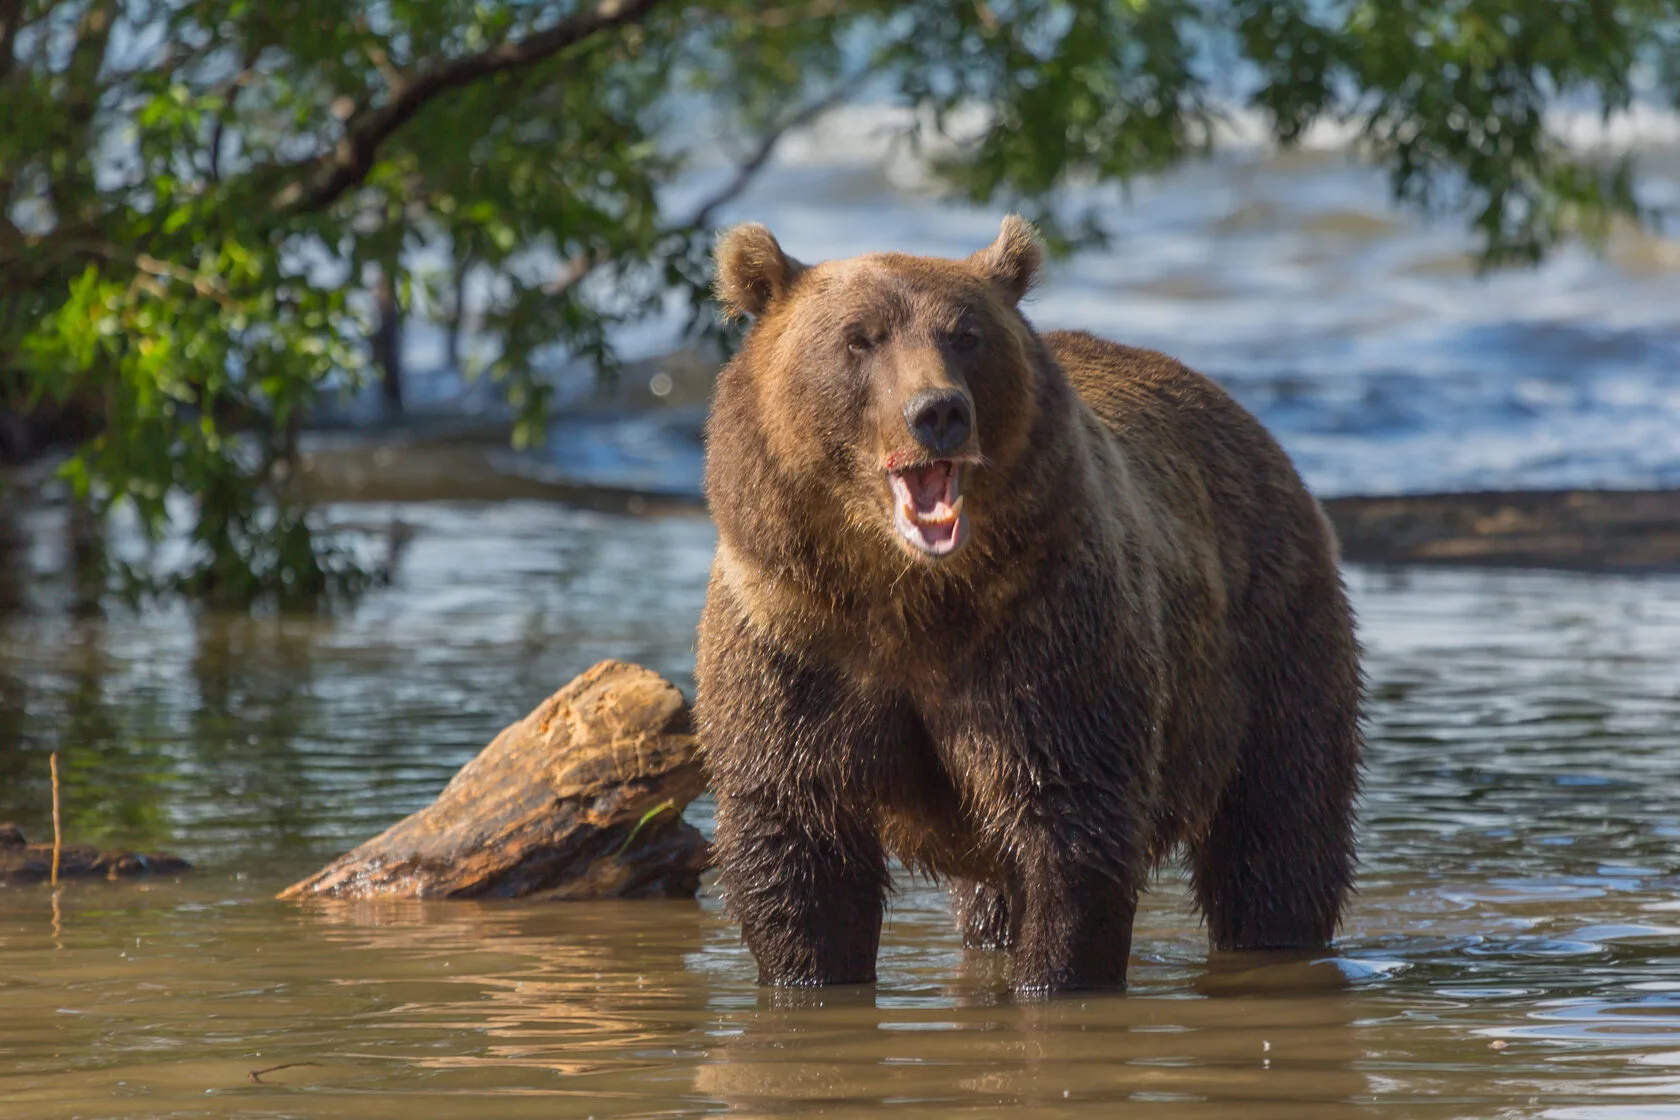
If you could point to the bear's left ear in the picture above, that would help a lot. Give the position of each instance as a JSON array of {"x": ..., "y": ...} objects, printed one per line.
[
  {"x": 752, "y": 271},
  {"x": 1012, "y": 261}
]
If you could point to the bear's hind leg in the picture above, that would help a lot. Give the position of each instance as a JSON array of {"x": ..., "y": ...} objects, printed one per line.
[
  {"x": 1276, "y": 864},
  {"x": 982, "y": 915}
]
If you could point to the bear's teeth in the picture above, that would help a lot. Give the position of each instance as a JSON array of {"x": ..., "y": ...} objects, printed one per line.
[{"x": 941, "y": 514}]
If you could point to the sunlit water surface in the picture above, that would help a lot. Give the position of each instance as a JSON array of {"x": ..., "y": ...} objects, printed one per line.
[{"x": 1514, "y": 949}]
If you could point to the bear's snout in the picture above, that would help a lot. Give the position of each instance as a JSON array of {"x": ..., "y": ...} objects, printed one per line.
[{"x": 940, "y": 420}]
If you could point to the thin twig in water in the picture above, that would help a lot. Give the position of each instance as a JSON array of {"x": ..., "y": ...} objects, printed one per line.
[
  {"x": 256, "y": 1074},
  {"x": 58, "y": 835}
]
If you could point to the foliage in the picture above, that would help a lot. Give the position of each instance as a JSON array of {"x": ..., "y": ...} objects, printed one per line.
[{"x": 197, "y": 195}]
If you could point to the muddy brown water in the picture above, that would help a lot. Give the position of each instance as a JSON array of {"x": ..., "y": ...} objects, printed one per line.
[{"x": 1514, "y": 950}]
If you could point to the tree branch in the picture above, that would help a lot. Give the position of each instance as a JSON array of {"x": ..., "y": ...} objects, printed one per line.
[
  {"x": 575, "y": 268},
  {"x": 573, "y": 271},
  {"x": 788, "y": 17},
  {"x": 81, "y": 76},
  {"x": 141, "y": 262},
  {"x": 324, "y": 179},
  {"x": 150, "y": 265},
  {"x": 11, "y": 18},
  {"x": 229, "y": 93},
  {"x": 750, "y": 167}
]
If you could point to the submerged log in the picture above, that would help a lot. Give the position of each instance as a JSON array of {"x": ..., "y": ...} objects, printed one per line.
[
  {"x": 23, "y": 862},
  {"x": 583, "y": 798},
  {"x": 1576, "y": 530}
]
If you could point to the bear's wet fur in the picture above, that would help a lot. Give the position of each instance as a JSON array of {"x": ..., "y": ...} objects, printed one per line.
[{"x": 1100, "y": 621}]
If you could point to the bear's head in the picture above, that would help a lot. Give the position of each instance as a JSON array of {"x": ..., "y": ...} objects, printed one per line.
[{"x": 898, "y": 387}]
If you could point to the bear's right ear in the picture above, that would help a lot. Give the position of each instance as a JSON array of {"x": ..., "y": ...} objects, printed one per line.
[
  {"x": 1013, "y": 260},
  {"x": 752, "y": 271}
]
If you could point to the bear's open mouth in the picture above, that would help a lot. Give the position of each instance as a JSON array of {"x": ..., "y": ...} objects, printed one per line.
[{"x": 927, "y": 506}]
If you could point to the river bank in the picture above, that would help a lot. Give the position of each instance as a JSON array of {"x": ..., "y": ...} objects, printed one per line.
[{"x": 1594, "y": 530}]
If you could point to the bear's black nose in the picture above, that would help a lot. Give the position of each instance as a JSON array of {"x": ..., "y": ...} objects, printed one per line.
[{"x": 940, "y": 419}]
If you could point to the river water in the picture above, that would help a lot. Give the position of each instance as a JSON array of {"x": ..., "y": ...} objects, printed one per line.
[
  {"x": 1514, "y": 950},
  {"x": 1362, "y": 335}
]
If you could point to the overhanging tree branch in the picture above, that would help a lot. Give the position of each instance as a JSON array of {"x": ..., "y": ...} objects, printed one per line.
[
  {"x": 575, "y": 268},
  {"x": 767, "y": 143},
  {"x": 324, "y": 179}
]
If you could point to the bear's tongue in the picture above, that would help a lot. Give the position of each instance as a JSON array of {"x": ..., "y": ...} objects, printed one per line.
[
  {"x": 928, "y": 503},
  {"x": 928, "y": 486}
]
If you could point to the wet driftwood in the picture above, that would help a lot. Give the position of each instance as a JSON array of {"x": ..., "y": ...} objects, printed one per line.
[
  {"x": 1580, "y": 530},
  {"x": 23, "y": 862},
  {"x": 356, "y": 468},
  {"x": 583, "y": 798}
]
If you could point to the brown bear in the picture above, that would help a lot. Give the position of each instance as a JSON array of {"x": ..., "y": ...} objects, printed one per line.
[{"x": 1025, "y": 611}]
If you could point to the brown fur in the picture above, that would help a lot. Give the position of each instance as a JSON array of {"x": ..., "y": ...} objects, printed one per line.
[{"x": 1144, "y": 642}]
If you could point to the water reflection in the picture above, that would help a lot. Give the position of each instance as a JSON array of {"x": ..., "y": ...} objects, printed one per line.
[{"x": 1154, "y": 1052}]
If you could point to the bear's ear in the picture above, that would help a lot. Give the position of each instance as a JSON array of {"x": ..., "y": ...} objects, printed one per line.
[
  {"x": 752, "y": 270},
  {"x": 1012, "y": 261}
]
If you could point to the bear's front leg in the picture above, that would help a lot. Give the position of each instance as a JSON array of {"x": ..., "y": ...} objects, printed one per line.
[
  {"x": 1075, "y": 919},
  {"x": 809, "y": 899},
  {"x": 1063, "y": 775},
  {"x": 792, "y": 754},
  {"x": 982, "y": 912}
]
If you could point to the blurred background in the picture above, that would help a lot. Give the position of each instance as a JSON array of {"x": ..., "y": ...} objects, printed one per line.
[
  {"x": 1431, "y": 243},
  {"x": 353, "y": 363}
]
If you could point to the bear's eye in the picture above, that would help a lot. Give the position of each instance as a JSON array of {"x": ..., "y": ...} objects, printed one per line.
[
  {"x": 965, "y": 338},
  {"x": 859, "y": 343}
]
